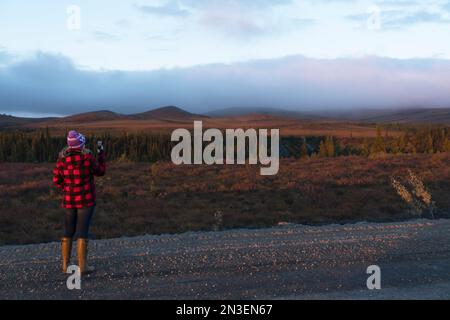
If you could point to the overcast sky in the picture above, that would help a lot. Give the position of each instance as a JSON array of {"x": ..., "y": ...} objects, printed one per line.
[{"x": 63, "y": 57}]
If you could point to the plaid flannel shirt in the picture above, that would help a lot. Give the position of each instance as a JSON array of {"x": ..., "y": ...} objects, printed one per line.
[{"x": 74, "y": 176}]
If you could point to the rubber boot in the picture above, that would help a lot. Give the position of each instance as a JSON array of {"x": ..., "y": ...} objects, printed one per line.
[
  {"x": 82, "y": 254},
  {"x": 66, "y": 251}
]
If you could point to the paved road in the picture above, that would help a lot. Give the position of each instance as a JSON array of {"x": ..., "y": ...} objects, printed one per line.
[{"x": 288, "y": 262}]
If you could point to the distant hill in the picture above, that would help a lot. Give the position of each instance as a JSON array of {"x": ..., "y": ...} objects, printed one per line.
[
  {"x": 162, "y": 116},
  {"x": 433, "y": 116},
  {"x": 274, "y": 112},
  {"x": 7, "y": 121},
  {"x": 163, "y": 113},
  {"x": 102, "y": 115},
  {"x": 411, "y": 115},
  {"x": 169, "y": 112}
]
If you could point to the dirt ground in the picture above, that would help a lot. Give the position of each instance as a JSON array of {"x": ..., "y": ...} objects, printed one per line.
[{"x": 285, "y": 262}]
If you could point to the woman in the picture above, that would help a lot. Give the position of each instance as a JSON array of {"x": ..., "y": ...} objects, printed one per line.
[{"x": 74, "y": 176}]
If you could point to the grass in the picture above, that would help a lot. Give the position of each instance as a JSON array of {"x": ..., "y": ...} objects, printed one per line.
[
  {"x": 143, "y": 198},
  {"x": 288, "y": 127}
]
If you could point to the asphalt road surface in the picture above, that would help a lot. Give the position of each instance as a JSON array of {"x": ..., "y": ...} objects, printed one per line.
[{"x": 286, "y": 262}]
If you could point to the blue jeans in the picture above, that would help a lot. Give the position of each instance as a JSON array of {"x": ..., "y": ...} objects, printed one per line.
[{"x": 77, "y": 221}]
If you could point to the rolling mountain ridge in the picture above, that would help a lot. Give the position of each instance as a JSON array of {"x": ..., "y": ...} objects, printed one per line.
[
  {"x": 172, "y": 113},
  {"x": 163, "y": 113}
]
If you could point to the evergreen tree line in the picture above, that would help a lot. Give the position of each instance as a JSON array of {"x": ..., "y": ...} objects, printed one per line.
[
  {"x": 410, "y": 141},
  {"x": 41, "y": 146}
]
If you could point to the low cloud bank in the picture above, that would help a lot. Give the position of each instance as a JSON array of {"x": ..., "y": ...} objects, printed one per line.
[{"x": 53, "y": 84}]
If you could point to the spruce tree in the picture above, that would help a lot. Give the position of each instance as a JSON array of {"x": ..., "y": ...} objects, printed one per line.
[
  {"x": 303, "y": 149},
  {"x": 379, "y": 146}
]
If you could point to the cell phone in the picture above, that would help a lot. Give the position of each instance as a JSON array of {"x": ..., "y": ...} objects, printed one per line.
[{"x": 99, "y": 145}]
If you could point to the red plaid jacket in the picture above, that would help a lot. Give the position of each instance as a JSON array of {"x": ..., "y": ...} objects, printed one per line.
[{"x": 74, "y": 175}]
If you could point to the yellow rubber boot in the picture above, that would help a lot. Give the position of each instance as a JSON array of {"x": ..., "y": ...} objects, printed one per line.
[
  {"x": 66, "y": 251},
  {"x": 82, "y": 254}
]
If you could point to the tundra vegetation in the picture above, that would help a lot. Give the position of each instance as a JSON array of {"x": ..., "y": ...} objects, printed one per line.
[{"x": 321, "y": 179}]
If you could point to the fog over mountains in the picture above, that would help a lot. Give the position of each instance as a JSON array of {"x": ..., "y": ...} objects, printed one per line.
[{"x": 53, "y": 84}]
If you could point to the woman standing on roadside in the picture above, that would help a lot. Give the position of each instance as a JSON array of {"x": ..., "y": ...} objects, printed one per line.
[{"x": 74, "y": 176}]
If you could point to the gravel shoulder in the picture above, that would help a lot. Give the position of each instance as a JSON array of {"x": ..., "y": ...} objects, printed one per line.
[{"x": 286, "y": 262}]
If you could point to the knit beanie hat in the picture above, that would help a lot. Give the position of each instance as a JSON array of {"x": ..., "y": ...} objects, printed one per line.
[{"x": 75, "y": 139}]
